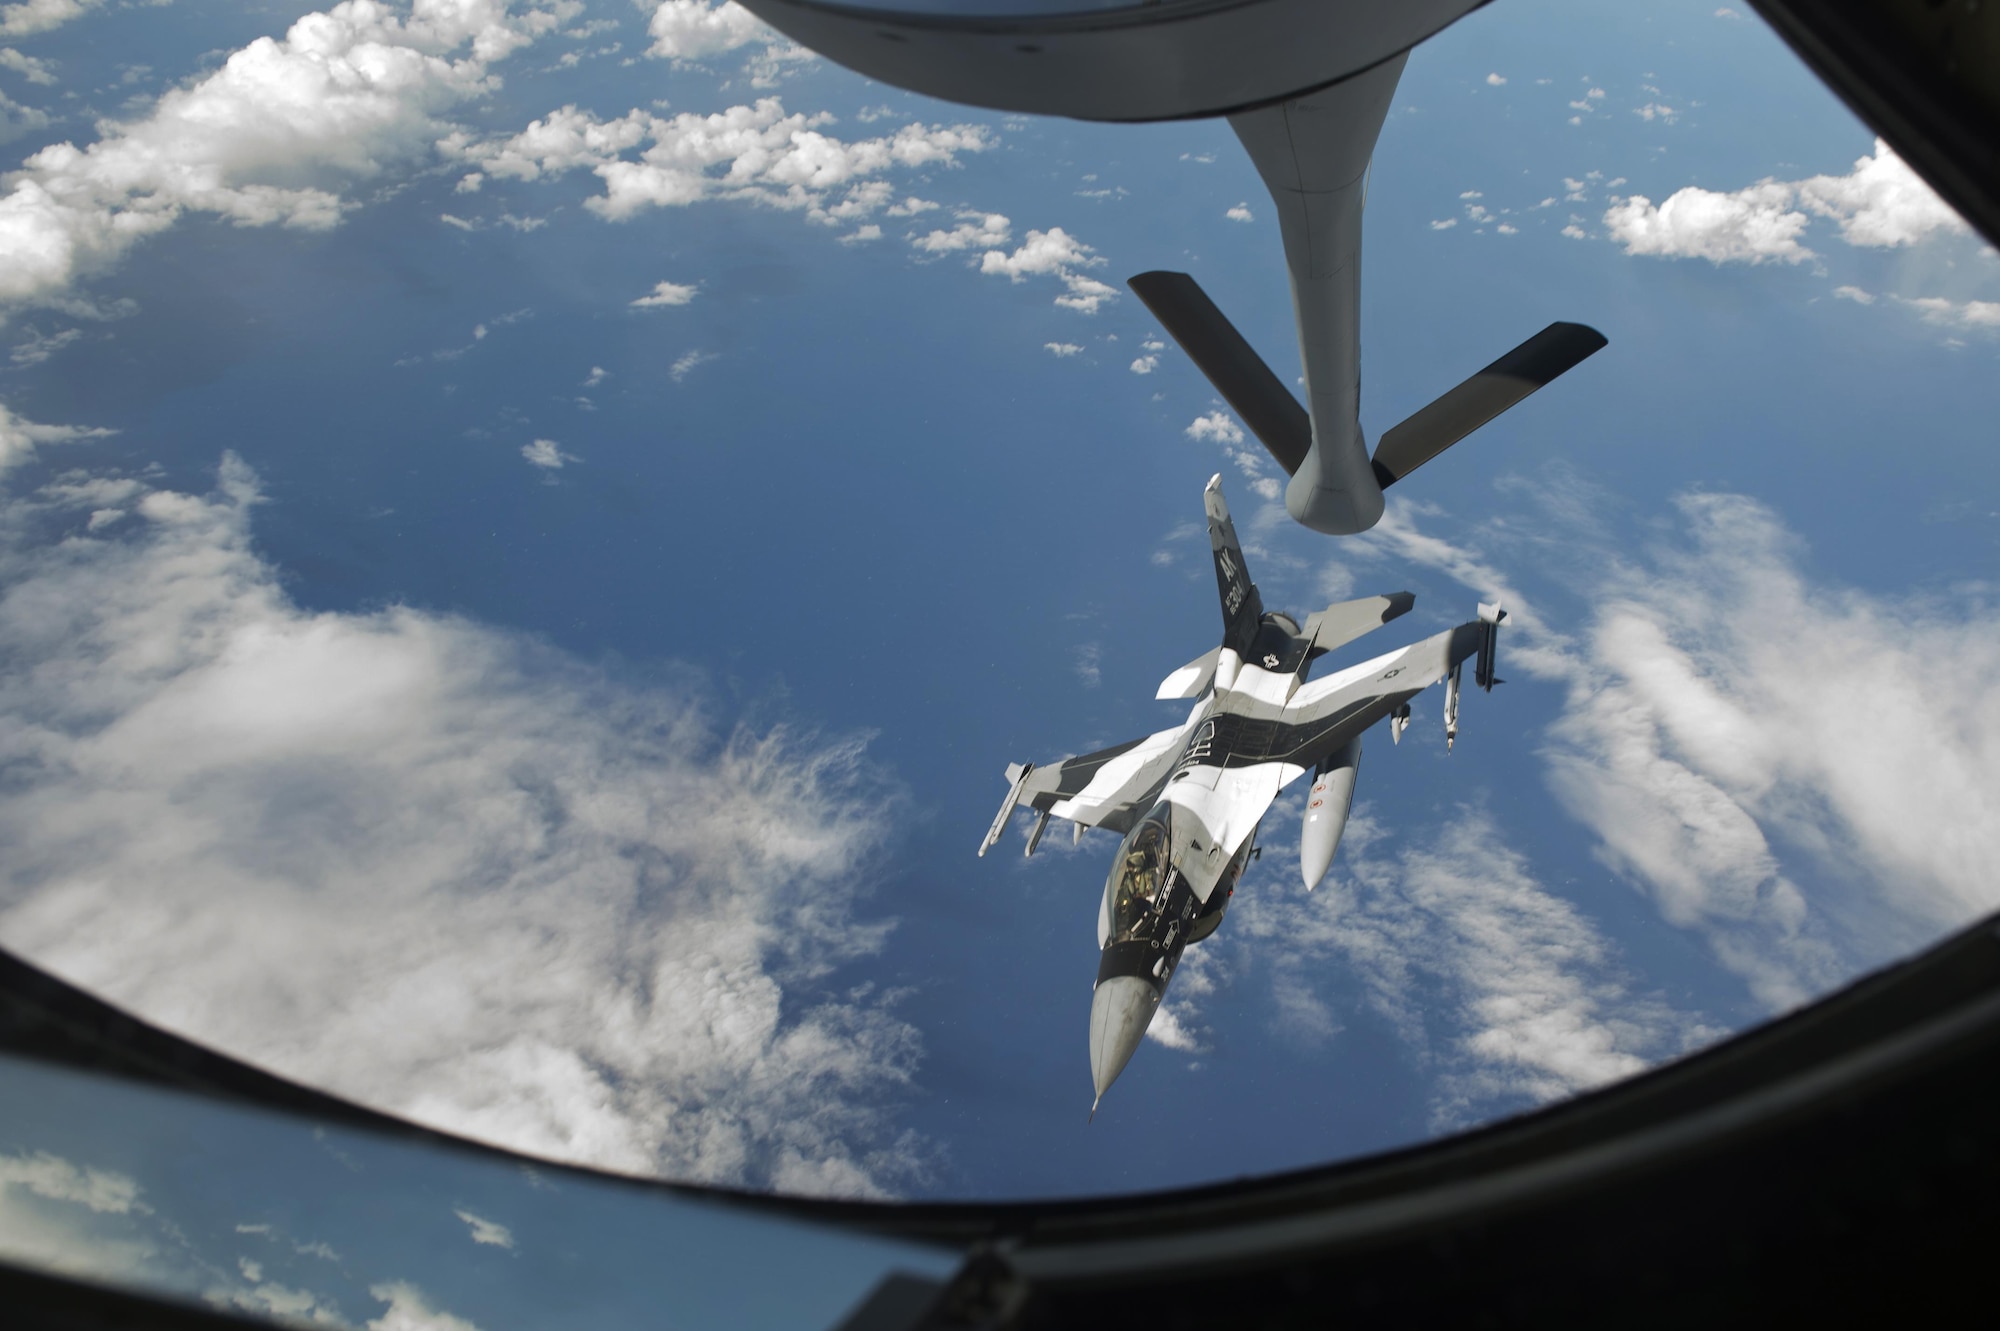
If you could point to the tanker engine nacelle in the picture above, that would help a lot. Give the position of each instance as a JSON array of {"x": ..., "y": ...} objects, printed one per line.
[{"x": 1327, "y": 806}]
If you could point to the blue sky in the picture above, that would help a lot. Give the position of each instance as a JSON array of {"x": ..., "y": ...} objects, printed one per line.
[{"x": 523, "y": 571}]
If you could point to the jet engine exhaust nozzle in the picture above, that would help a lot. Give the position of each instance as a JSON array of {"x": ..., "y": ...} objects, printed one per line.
[{"x": 1120, "y": 1011}]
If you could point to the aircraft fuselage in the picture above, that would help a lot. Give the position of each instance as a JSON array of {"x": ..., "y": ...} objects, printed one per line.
[{"x": 1188, "y": 800}]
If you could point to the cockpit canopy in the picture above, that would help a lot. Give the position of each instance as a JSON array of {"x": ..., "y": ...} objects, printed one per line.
[
  {"x": 1135, "y": 895},
  {"x": 1138, "y": 883}
]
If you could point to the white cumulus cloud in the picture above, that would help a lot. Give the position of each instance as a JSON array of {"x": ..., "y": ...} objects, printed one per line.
[
  {"x": 1062, "y": 350},
  {"x": 665, "y": 293},
  {"x": 691, "y": 30},
  {"x": 29, "y": 68},
  {"x": 975, "y": 231},
  {"x": 760, "y": 153},
  {"x": 1168, "y": 1029},
  {"x": 1980, "y": 315},
  {"x": 265, "y": 140},
  {"x": 1881, "y": 203},
  {"x": 1050, "y": 251},
  {"x": 433, "y": 866},
  {"x": 546, "y": 453},
  {"x": 1054, "y": 253},
  {"x": 32, "y": 16},
  {"x": 1215, "y": 427},
  {"x": 1754, "y": 225},
  {"x": 1219, "y": 428}
]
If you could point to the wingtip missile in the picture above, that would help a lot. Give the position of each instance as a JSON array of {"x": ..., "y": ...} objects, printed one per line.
[
  {"x": 1450, "y": 708},
  {"x": 1017, "y": 775}
]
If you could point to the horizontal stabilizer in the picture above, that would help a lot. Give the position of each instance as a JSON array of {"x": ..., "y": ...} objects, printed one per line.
[
  {"x": 1557, "y": 348},
  {"x": 1230, "y": 363},
  {"x": 1191, "y": 680},
  {"x": 1338, "y": 625}
]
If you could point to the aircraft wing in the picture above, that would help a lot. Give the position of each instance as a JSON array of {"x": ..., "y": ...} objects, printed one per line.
[
  {"x": 1326, "y": 713},
  {"x": 1110, "y": 788}
]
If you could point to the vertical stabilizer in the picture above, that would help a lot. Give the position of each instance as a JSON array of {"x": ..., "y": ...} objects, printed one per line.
[{"x": 1242, "y": 607}]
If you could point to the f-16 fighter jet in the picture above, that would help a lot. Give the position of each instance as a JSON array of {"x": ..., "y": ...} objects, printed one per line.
[
  {"x": 1306, "y": 85},
  {"x": 1188, "y": 799}
]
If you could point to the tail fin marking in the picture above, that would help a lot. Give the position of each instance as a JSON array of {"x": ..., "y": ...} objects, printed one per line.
[{"x": 1242, "y": 607}]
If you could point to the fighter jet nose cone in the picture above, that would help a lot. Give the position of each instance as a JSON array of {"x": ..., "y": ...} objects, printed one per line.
[{"x": 1120, "y": 1011}]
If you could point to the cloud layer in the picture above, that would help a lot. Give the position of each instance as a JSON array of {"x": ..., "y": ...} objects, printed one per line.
[
  {"x": 1799, "y": 773},
  {"x": 265, "y": 140},
  {"x": 430, "y": 865},
  {"x": 1506, "y": 992},
  {"x": 1722, "y": 702}
]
